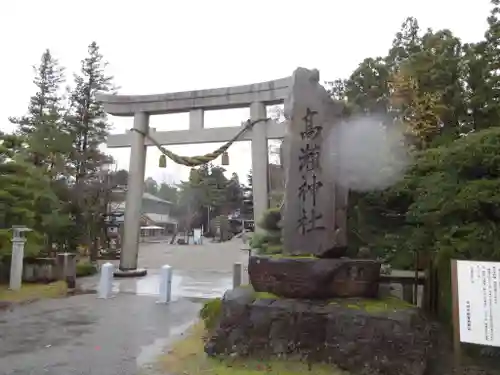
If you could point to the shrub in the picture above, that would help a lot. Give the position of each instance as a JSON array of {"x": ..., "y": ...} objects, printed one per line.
[
  {"x": 211, "y": 312},
  {"x": 271, "y": 219},
  {"x": 267, "y": 243},
  {"x": 271, "y": 249},
  {"x": 445, "y": 207},
  {"x": 85, "y": 269}
]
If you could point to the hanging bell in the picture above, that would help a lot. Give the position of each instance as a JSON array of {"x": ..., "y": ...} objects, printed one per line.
[
  {"x": 162, "y": 163},
  {"x": 225, "y": 158}
]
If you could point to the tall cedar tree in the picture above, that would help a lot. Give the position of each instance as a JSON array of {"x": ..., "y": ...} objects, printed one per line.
[
  {"x": 43, "y": 128},
  {"x": 88, "y": 120},
  {"x": 89, "y": 128}
]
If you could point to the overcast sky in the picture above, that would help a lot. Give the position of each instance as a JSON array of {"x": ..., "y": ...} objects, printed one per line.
[{"x": 158, "y": 46}]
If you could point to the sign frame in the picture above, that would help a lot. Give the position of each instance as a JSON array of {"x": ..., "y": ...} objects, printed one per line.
[{"x": 457, "y": 340}]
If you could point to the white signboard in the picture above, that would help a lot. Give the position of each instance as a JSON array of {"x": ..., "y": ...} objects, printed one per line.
[{"x": 479, "y": 304}]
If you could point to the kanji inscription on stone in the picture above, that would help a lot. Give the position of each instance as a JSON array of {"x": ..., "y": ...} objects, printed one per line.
[{"x": 309, "y": 217}]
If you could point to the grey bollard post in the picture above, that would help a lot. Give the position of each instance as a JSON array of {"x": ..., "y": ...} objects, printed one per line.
[
  {"x": 165, "y": 284},
  {"x": 66, "y": 264},
  {"x": 16, "y": 263},
  {"x": 106, "y": 281},
  {"x": 236, "y": 275}
]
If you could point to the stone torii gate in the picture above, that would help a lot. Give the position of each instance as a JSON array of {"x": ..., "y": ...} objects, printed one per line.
[{"x": 256, "y": 96}]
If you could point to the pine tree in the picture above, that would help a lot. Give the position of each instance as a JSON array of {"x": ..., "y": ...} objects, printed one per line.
[
  {"x": 482, "y": 62},
  {"x": 43, "y": 127},
  {"x": 89, "y": 127},
  {"x": 88, "y": 121},
  {"x": 492, "y": 37},
  {"x": 406, "y": 43}
]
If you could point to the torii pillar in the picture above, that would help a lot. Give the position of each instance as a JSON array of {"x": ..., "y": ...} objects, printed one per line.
[{"x": 133, "y": 205}]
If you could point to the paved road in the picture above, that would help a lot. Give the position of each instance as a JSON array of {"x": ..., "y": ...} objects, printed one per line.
[
  {"x": 198, "y": 271},
  {"x": 215, "y": 257},
  {"x": 83, "y": 335}
]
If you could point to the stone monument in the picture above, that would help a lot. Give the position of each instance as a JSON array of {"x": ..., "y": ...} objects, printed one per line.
[
  {"x": 312, "y": 301},
  {"x": 314, "y": 214},
  {"x": 310, "y": 226}
]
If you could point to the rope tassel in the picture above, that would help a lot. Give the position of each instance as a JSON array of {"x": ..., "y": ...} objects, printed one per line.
[
  {"x": 162, "y": 163},
  {"x": 195, "y": 161}
]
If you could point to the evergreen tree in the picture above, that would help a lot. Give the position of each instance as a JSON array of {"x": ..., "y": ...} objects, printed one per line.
[
  {"x": 151, "y": 186},
  {"x": 367, "y": 87},
  {"x": 482, "y": 63},
  {"x": 89, "y": 127},
  {"x": 26, "y": 197},
  {"x": 406, "y": 43},
  {"x": 43, "y": 128},
  {"x": 168, "y": 192},
  {"x": 88, "y": 121},
  {"x": 234, "y": 193}
]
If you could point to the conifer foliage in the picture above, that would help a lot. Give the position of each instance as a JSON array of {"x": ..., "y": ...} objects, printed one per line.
[{"x": 52, "y": 177}]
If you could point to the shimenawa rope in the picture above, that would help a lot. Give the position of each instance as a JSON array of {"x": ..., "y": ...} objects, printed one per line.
[{"x": 194, "y": 161}]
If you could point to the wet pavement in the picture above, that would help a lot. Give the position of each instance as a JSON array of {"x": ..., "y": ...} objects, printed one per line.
[
  {"x": 195, "y": 285},
  {"x": 83, "y": 335},
  {"x": 199, "y": 271}
]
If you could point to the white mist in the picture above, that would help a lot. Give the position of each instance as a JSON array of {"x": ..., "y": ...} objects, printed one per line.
[{"x": 365, "y": 155}]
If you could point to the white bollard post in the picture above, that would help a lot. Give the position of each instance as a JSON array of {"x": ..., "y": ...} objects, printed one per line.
[
  {"x": 106, "y": 281},
  {"x": 16, "y": 265},
  {"x": 236, "y": 275},
  {"x": 165, "y": 284}
]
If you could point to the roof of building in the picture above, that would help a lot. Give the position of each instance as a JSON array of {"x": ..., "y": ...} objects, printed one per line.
[
  {"x": 151, "y": 197},
  {"x": 154, "y": 198}
]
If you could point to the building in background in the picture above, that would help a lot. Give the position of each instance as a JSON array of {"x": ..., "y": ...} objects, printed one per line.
[{"x": 156, "y": 219}]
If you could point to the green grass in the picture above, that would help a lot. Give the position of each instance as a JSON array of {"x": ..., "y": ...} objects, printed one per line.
[
  {"x": 30, "y": 292},
  {"x": 187, "y": 357}
]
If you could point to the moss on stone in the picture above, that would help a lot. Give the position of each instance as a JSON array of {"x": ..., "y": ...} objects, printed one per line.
[
  {"x": 373, "y": 305},
  {"x": 287, "y": 256},
  {"x": 365, "y": 304},
  {"x": 265, "y": 295},
  {"x": 260, "y": 295}
]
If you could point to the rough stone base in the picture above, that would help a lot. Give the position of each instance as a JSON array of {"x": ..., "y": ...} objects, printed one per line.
[
  {"x": 385, "y": 337},
  {"x": 138, "y": 272}
]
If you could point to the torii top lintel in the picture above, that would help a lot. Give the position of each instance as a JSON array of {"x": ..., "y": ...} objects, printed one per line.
[{"x": 269, "y": 93}]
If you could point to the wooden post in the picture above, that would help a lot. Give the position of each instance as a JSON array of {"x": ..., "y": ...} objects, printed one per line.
[
  {"x": 415, "y": 285},
  {"x": 407, "y": 292},
  {"x": 457, "y": 348}
]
